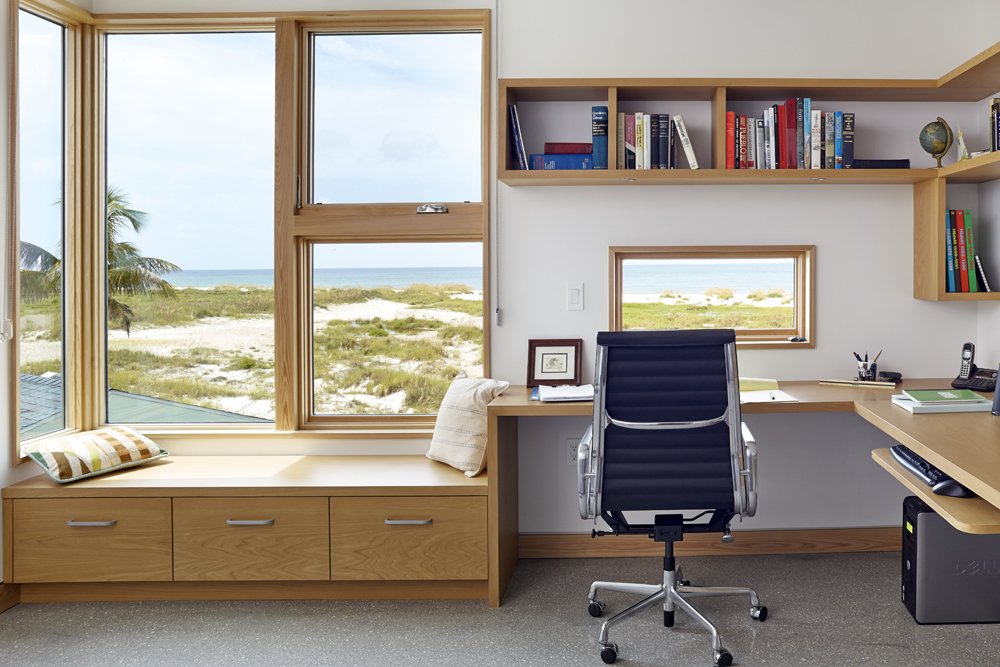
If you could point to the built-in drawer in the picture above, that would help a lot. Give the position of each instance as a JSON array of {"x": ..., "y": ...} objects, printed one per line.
[
  {"x": 408, "y": 538},
  {"x": 247, "y": 539},
  {"x": 91, "y": 539}
]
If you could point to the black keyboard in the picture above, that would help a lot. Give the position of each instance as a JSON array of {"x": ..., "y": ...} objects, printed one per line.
[{"x": 939, "y": 482}]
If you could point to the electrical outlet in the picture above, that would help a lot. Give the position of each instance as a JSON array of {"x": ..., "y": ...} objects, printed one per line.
[{"x": 573, "y": 445}]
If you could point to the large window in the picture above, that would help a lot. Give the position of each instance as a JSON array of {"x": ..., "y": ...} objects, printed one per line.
[
  {"x": 763, "y": 292},
  {"x": 42, "y": 177},
  {"x": 189, "y": 227},
  {"x": 392, "y": 231}
]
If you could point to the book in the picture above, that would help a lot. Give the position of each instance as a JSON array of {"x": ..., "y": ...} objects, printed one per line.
[
  {"x": 768, "y": 140},
  {"x": 561, "y": 161},
  {"x": 761, "y": 150},
  {"x": 916, "y": 407},
  {"x": 800, "y": 159},
  {"x": 640, "y": 141},
  {"x": 949, "y": 265},
  {"x": 685, "y": 139},
  {"x": 518, "y": 142},
  {"x": 599, "y": 132},
  {"x": 848, "y": 140},
  {"x": 566, "y": 392},
  {"x": 737, "y": 142},
  {"x": 654, "y": 141},
  {"x": 970, "y": 252},
  {"x": 791, "y": 155},
  {"x": 619, "y": 141},
  {"x": 954, "y": 251},
  {"x": 630, "y": 141},
  {"x": 829, "y": 136},
  {"x": 666, "y": 138},
  {"x": 806, "y": 133},
  {"x": 568, "y": 147},
  {"x": 838, "y": 140},
  {"x": 963, "y": 259},
  {"x": 903, "y": 163},
  {"x": 982, "y": 275},
  {"x": 854, "y": 382},
  {"x": 750, "y": 136},
  {"x": 949, "y": 396},
  {"x": 730, "y": 140},
  {"x": 648, "y": 139},
  {"x": 671, "y": 144},
  {"x": 816, "y": 140}
]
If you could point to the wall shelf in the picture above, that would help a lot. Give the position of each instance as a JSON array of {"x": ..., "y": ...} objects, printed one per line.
[{"x": 549, "y": 103}]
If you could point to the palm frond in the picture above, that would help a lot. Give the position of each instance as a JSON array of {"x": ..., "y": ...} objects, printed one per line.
[
  {"x": 36, "y": 258},
  {"x": 120, "y": 315}
]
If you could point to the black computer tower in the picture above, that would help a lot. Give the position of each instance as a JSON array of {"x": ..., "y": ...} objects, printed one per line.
[{"x": 948, "y": 576}]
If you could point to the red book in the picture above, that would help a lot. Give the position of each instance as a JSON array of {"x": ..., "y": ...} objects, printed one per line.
[
  {"x": 568, "y": 147},
  {"x": 779, "y": 135},
  {"x": 743, "y": 141},
  {"x": 791, "y": 156},
  {"x": 963, "y": 259},
  {"x": 730, "y": 140}
]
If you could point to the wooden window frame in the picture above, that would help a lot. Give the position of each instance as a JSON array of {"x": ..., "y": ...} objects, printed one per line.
[
  {"x": 804, "y": 298},
  {"x": 300, "y": 224},
  {"x": 76, "y": 404}
]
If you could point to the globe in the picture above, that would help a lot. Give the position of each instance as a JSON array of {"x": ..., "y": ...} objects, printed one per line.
[{"x": 936, "y": 138}]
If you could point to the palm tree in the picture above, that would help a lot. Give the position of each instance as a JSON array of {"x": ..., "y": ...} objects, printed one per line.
[{"x": 129, "y": 272}]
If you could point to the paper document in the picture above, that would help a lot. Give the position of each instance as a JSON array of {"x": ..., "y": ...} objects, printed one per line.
[
  {"x": 757, "y": 384},
  {"x": 766, "y": 396},
  {"x": 566, "y": 392}
]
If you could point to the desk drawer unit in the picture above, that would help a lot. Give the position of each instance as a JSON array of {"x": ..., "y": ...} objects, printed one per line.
[
  {"x": 390, "y": 538},
  {"x": 91, "y": 539},
  {"x": 251, "y": 539}
]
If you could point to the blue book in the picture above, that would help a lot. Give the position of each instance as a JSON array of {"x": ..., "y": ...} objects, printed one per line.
[
  {"x": 838, "y": 140},
  {"x": 599, "y": 130},
  {"x": 950, "y": 265},
  {"x": 562, "y": 160}
]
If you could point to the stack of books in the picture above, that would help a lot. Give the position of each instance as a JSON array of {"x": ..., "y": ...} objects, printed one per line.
[
  {"x": 963, "y": 266},
  {"x": 794, "y": 135},
  {"x": 941, "y": 400},
  {"x": 649, "y": 141}
]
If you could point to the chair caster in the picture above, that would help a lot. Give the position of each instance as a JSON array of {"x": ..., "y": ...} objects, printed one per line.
[
  {"x": 596, "y": 609},
  {"x": 759, "y": 613},
  {"x": 723, "y": 658},
  {"x": 609, "y": 653}
]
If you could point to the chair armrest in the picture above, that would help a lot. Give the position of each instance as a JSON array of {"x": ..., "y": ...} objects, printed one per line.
[
  {"x": 749, "y": 474},
  {"x": 585, "y": 477}
]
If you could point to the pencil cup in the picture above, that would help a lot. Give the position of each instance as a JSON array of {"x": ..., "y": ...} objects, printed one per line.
[{"x": 866, "y": 370}]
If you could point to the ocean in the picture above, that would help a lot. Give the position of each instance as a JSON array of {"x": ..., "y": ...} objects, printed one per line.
[{"x": 742, "y": 278}]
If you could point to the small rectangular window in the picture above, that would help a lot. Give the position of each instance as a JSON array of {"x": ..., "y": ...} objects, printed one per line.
[{"x": 765, "y": 293}]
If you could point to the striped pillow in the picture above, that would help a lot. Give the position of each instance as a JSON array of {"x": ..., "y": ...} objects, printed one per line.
[{"x": 89, "y": 453}]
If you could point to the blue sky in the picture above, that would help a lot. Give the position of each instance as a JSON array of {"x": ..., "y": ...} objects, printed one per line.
[{"x": 190, "y": 138}]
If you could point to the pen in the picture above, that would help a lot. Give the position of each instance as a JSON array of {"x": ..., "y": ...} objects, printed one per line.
[
  {"x": 856, "y": 356},
  {"x": 877, "y": 356},
  {"x": 771, "y": 393},
  {"x": 866, "y": 356}
]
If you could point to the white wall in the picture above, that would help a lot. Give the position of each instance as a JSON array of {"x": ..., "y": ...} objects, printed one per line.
[{"x": 863, "y": 234}]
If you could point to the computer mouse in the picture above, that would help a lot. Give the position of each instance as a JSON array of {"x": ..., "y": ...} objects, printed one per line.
[{"x": 949, "y": 487}]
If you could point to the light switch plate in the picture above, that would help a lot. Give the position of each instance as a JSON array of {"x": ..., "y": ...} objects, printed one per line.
[{"x": 574, "y": 296}]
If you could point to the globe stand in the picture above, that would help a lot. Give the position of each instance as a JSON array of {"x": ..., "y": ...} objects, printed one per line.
[{"x": 936, "y": 138}]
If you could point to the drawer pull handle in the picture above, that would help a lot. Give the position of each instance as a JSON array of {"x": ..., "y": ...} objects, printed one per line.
[
  {"x": 91, "y": 524},
  {"x": 409, "y": 522},
  {"x": 249, "y": 522}
]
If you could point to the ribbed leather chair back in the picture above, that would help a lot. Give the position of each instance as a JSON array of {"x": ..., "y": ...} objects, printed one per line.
[{"x": 666, "y": 376}]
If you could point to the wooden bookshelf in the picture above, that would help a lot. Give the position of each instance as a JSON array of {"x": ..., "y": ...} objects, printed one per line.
[{"x": 971, "y": 82}]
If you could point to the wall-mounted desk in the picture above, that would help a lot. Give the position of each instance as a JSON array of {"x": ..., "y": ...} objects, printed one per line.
[{"x": 963, "y": 445}]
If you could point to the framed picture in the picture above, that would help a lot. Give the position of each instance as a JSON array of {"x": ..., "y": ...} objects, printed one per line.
[{"x": 554, "y": 361}]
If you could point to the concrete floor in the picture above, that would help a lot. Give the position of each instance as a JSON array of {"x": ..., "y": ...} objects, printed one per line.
[{"x": 823, "y": 610}]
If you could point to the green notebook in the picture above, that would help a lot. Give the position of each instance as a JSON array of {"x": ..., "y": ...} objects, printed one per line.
[{"x": 944, "y": 396}]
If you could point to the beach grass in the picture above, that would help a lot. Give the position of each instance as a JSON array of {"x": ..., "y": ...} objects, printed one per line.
[{"x": 694, "y": 316}]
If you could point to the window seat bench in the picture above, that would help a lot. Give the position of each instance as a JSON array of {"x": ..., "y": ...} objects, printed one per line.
[{"x": 251, "y": 527}]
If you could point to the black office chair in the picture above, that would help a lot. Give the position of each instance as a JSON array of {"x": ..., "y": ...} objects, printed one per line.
[{"x": 667, "y": 435}]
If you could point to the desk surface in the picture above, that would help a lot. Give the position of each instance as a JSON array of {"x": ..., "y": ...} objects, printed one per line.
[{"x": 963, "y": 445}]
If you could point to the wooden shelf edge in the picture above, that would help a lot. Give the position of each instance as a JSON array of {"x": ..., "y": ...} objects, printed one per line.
[
  {"x": 976, "y": 170},
  {"x": 969, "y": 515},
  {"x": 563, "y": 177},
  {"x": 961, "y": 296}
]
